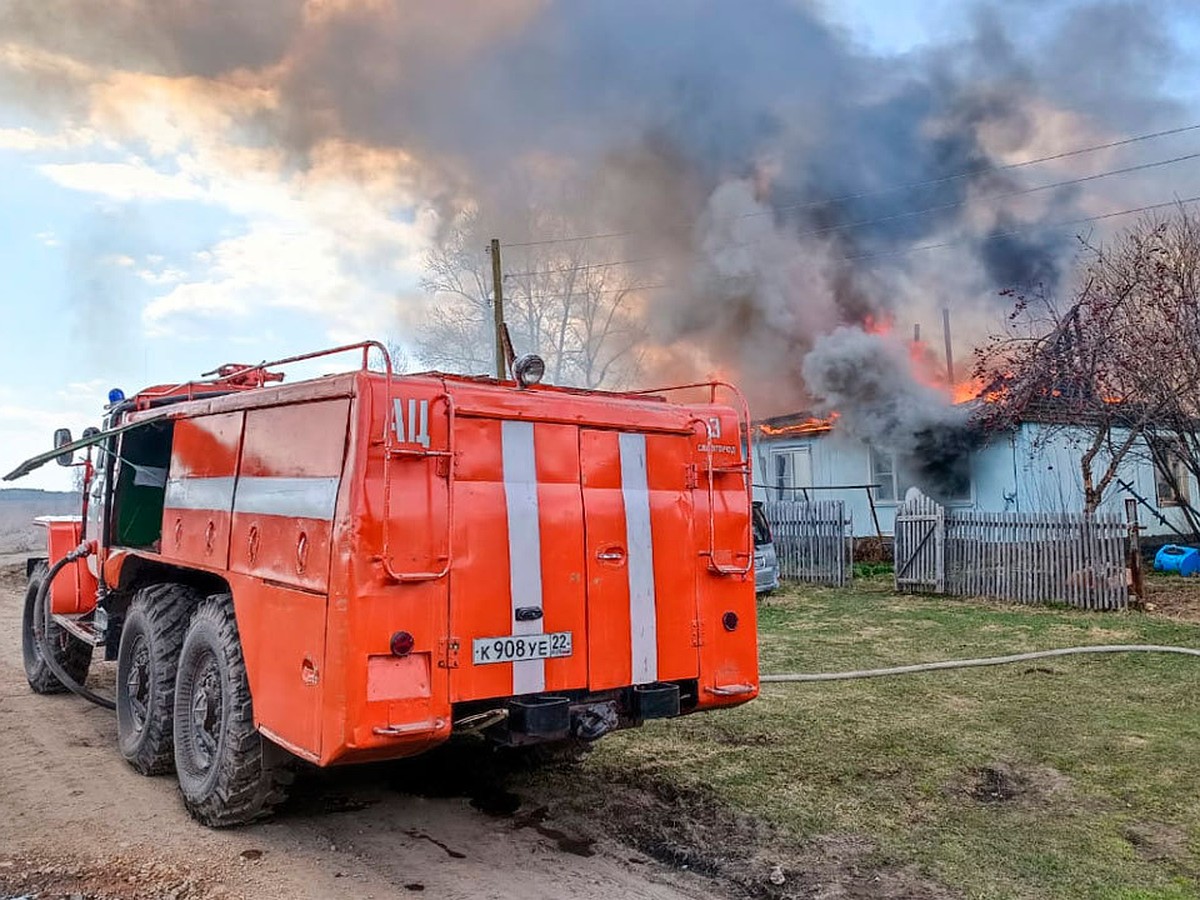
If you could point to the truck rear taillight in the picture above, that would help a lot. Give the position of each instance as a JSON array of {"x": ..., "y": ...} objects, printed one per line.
[{"x": 402, "y": 643}]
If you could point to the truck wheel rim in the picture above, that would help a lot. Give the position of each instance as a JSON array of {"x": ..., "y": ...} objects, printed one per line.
[
  {"x": 137, "y": 684},
  {"x": 206, "y": 712}
]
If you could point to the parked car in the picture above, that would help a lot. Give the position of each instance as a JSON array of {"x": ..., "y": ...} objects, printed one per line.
[{"x": 766, "y": 564}]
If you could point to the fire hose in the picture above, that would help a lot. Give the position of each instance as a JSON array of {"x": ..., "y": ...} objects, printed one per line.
[
  {"x": 973, "y": 663},
  {"x": 85, "y": 549},
  {"x": 43, "y": 639}
]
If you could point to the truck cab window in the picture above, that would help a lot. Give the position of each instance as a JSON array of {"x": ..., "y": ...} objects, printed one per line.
[{"x": 140, "y": 486}]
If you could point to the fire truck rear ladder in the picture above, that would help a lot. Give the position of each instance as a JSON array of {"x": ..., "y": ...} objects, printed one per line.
[
  {"x": 742, "y": 468},
  {"x": 390, "y": 451}
]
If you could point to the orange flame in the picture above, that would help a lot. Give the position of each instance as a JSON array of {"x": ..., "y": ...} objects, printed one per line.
[
  {"x": 811, "y": 425},
  {"x": 970, "y": 389},
  {"x": 872, "y": 325}
]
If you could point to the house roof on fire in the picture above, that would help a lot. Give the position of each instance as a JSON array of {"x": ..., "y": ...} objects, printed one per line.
[
  {"x": 793, "y": 424},
  {"x": 1040, "y": 411}
]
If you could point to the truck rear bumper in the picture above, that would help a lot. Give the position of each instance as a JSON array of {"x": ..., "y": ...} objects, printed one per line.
[
  {"x": 544, "y": 718},
  {"x": 581, "y": 715}
]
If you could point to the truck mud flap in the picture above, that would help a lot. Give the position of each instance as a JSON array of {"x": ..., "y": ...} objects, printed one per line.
[
  {"x": 655, "y": 701},
  {"x": 546, "y": 718}
]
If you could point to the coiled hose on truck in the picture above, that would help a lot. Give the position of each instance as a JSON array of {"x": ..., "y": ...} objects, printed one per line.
[{"x": 43, "y": 598}]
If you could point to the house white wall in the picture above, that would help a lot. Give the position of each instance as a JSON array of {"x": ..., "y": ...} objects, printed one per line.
[
  {"x": 1033, "y": 469},
  {"x": 1048, "y": 478},
  {"x": 837, "y": 459}
]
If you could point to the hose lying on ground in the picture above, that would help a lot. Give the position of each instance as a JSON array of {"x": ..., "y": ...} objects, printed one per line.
[
  {"x": 43, "y": 599},
  {"x": 972, "y": 663},
  {"x": 83, "y": 550}
]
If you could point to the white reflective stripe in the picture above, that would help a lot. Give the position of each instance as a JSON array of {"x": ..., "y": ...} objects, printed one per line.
[
  {"x": 298, "y": 498},
  {"x": 212, "y": 493},
  {"x": 524, "y": 544},
  {"x": 643, "y": 616}
]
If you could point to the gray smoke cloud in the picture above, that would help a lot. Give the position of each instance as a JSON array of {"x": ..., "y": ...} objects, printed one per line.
[
  {"x": 868, "y": 380},
  {"x": 740, "y": 147}
]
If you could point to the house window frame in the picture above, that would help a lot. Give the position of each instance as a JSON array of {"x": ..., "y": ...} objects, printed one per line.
[
  {"x": 1183, "y": 478},
  {"x": 874, "y": 454},
  {"x": 794, "y": 491}
]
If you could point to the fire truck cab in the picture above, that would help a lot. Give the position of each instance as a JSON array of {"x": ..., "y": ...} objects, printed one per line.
[{"x": 354, "y": 567}]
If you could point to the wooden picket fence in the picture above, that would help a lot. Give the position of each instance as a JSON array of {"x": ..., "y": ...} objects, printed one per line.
[
  {"x": 1022, "y": 557},
  {"x": 813, "y": 540}
]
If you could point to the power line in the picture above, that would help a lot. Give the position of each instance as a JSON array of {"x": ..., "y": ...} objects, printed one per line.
[
  {"x": 828, "y": 229},
  {"x": 1033, "y": 227},
  {"x": 900, "y": 252},
  {"x": 620, "y": 290},
  {"x": 1000, "y": 196},
  {"x": 982, "y": 170},
  {"x": 568, "y": 240},
  {"x": 601, "y": 265},
  {"x": 978, "y": 170}
]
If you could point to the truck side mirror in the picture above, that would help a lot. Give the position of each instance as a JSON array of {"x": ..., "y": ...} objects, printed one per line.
[{"x": 62, "y": 437}]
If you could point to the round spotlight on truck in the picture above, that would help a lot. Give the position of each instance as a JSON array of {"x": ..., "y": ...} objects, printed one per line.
[
  {"x": 529, "y": 369},
  {"x": 402, "y": 643}
]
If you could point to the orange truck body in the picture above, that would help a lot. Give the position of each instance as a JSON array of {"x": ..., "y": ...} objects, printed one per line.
[{"x": 607, "y": 533}]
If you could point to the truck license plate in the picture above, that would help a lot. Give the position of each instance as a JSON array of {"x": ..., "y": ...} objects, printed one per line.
[{"x": 520, "y": 647}]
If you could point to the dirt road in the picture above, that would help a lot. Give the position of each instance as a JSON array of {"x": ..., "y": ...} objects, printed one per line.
[{"x": 75, "y": 821}]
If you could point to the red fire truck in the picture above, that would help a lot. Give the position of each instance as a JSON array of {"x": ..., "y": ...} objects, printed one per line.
[{"x": 355, "y": 567}]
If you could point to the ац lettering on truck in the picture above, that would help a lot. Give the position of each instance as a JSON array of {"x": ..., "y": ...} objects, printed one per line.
[{"x": 356, "y": 567}]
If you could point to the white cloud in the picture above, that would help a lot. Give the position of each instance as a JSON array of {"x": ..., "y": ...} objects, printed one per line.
[
  {"x": 168, "y": 275},
  {"x": 27, "y": 429},
  {"x": 323, "y": 241},
  {"x": 48, "y": 238},
  {"x": 204, "y": 298},
  {"x": 332, "y": 258},
  {"x": 124, "y": 181},
  {"x": 26, "y": 140}
]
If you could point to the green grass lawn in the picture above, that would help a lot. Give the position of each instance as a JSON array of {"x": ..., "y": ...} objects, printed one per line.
[{"x": 1071, "y": 777}]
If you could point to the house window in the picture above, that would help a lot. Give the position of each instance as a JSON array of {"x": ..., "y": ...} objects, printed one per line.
[
  {"x": 791, "y": 470},
  {"x": 956, "y": 482},
  {"x": 1170, "y": 475},
  {"x": 950, "y": 484},
  {"x": 883, "y": 473}
]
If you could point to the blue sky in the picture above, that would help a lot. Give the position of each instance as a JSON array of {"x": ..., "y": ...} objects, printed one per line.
[{"x": 142, "y": 248}]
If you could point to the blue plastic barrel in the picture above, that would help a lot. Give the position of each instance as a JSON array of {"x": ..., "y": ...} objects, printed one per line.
[{"x": 1174, "y": 558}]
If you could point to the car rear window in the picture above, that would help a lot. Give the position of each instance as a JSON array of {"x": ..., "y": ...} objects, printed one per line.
[{"x": 762, "y": 528}]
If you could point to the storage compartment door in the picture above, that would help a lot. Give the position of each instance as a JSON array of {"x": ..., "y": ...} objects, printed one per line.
[{"x": 641, "y": 558}]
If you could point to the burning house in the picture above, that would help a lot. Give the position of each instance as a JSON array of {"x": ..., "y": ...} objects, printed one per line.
[
  {"x": 888, "y": 417},
  {"x": 1030, "y": 467}
]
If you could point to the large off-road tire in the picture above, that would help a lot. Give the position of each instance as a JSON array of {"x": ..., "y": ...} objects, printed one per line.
[
  {"x": 229, "y": 774},
  {"x": 147, "y": 658},
  {"x": 72, "y": 654}
]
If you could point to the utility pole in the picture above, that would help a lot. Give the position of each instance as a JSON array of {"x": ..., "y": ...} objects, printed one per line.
[
  {"x": 498, "y": 309},
  {"x": 949, "y": 345}
]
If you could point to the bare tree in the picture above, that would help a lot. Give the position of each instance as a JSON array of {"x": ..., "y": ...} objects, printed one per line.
[
  {"x": 578, "y": 313},
  {"x": 1118, "y": 364}
]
